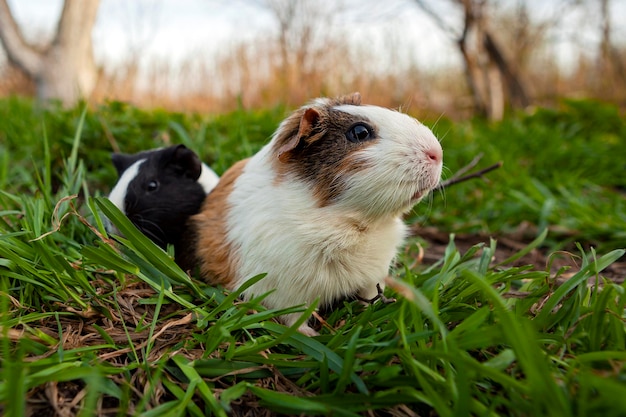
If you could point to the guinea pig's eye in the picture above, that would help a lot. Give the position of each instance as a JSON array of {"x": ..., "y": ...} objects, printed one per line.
[
  {"x": 153, "y": 185},
  {"x": 359, "y": 132}
]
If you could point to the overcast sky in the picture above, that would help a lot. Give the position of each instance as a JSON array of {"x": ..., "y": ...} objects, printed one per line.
[
  {"x": 175, "y": 29},
  {"x": 178, "y": 29}
]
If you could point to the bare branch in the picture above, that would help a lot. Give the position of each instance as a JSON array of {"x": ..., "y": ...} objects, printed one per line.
[
  {"x": 438, "y": 19},
  {"x": 515, "y": 87},
  {"x": 457, "y": 179},
  {"x": 467, "y": 167}
]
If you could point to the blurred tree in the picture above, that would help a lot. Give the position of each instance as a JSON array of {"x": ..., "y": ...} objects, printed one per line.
[
  {"x": 303, "y": 28},
  {"x": 489, "y": 73},
  {"x": 65, "y": 68},
  {"x": 611, "y": 67}
]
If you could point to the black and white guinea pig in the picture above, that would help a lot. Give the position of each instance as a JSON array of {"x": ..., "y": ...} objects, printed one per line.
[
  {"x": 160, "y": 189},
  {"x": 319, "y": 208}
]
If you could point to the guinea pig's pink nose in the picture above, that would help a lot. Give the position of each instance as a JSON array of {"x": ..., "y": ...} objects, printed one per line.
[{"x": 435, "y": 154}]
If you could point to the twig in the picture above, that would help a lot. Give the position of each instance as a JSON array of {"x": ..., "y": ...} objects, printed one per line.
[
  {"x": 456, "y": 178},
  {"x": 467, "y": 167}
]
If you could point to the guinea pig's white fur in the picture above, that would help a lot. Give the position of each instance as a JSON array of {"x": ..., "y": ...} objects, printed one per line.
[
  {"x": 322, "y": 238},
  {"x": 208, "y": 178},
  {"x": 118, "y": 193}
]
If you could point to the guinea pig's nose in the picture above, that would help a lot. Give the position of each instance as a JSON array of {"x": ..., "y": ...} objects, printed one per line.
[{"x": 435, "y": 154}]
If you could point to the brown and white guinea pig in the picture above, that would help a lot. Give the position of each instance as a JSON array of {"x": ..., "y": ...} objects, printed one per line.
[
  {"x": 160, "y": 189},
  {"x": 319, "y": 208}
]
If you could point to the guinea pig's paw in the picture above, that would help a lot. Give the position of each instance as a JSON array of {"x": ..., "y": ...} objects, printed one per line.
[
  {"x": 386, "y": 300},
  {"x": 307, "y": 330},
  {"x": 290, "y": 319},
  {"x": 369, "y": 296},
  {"x": 381, "y": 294}
]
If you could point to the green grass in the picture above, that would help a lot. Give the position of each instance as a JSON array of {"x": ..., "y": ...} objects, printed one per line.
[{"x": 120, "y": 330}]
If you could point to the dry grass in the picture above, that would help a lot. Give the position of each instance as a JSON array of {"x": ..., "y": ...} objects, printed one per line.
[
  {"x": 14, "y": 81},
  {"x": 252, "y": 76}
]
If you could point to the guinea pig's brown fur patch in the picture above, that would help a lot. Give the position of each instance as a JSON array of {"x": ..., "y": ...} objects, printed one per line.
[
  {"x": 213, "y": 248},
  {"x": 311, "y": 145}
]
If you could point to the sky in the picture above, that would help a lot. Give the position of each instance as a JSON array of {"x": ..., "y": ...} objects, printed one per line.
[{"x": 177, "y": 29}]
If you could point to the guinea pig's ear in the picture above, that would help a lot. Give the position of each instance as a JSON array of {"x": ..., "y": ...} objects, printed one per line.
[
  {"x": 185, "y": 161},
  {"x": 308, "y": 122},
  {"x": 122, "y": 162}
]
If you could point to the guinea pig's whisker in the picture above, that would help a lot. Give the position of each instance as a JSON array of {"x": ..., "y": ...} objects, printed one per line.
[
  {"x": 131, "y": 204},
  {"x": 429, "y": 207},
  {"x": 440, "y": 138},
  {"x": 150, "y": 211},
  {"x": 152, "y": 236},
  {"x": 442, "y": 193},
  {"x": 155, "y": 228},
  {"x": 148, "y": 226}
]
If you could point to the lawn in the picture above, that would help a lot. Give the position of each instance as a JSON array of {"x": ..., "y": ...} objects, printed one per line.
[{"x": 510, "y": 293}]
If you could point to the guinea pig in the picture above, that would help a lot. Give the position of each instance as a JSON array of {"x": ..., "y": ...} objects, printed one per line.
[
  {"x": 160, "y": 189},
  {"x": 319, "y": 208}
]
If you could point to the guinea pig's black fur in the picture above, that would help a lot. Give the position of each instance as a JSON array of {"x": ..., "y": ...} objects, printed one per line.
[{"x": 164, "y": 193}]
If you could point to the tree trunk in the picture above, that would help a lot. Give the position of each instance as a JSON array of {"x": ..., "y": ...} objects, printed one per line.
[
  {"x": 493, "y": 83},
  {"x": 472, "y": 76},
  {"x": 483, "y": 80},
  {"x": 490, "y": 76},
  {"x": 64, "y": 69},
  {"x": 512, "y": 81},
  {"x": 611, "y": 67}
]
